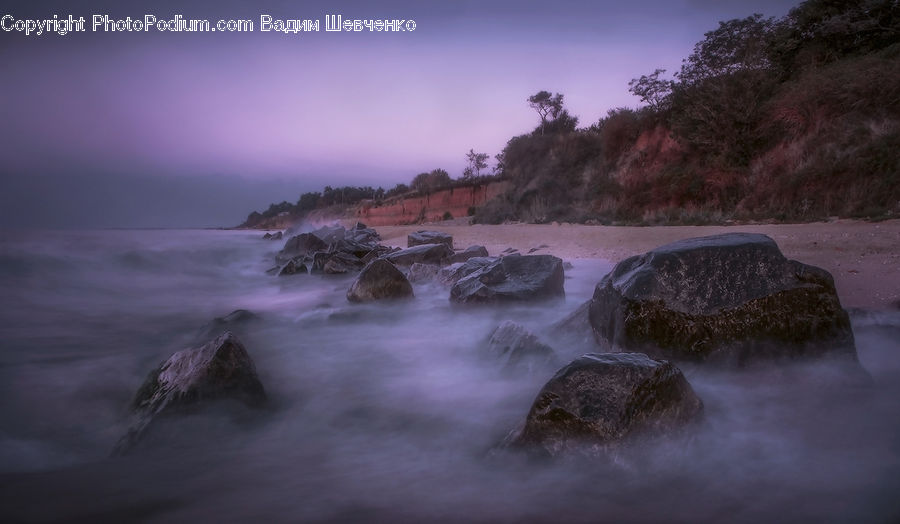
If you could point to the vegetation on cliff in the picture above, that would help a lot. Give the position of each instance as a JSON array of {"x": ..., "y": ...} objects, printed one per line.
[{"x": 796, "y": 118}]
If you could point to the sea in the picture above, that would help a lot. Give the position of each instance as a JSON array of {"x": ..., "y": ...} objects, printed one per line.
[{"x": 386, "y": 412}]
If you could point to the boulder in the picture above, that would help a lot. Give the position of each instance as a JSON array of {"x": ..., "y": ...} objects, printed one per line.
[
  {"x": 519, "y": 349},
  {"x": 379, "y": 280},
  {"x": 469, "y": 252},
  {"x": 731, "y": 298},
  {"x": 301, "y": 245},
  {"x": 512, "y": 278},
  {"x": 339, "y": 263},
  {"x": 422, "y": 272},
  {"x": 429, "y": 237},
  {"x": 294, "y": 266},
  {"x": 600, "y": 401},
  {"x": 219, "y": 369},
  {"x": 378, "y": 252},
  {"x": 452, "y": 274},
  {"x": 273, "y": 236},
  {"x": 424, "y": 254}
]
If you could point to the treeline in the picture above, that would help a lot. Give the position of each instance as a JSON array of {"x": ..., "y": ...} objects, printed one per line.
[
  {"x": 342, "y": 197},
  {"x": 795, "y": 118}
]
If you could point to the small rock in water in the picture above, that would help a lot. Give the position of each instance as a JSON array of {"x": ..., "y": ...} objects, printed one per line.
[
  {"x": 600, "y": 401},
  {"x": 380, "y": 280},
  {"x": 219, "y": 369},
  {"x": 519, "y": 349}
]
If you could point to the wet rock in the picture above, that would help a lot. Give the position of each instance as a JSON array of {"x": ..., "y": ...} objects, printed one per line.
[
  {"x": 380, "y": 280},
  {"x": 273, "y": 236},
  {"x": 452, "y": 274},
  {"x": 330, "y": 234},
  {"x": 301, "y": 245},
  {"x": 339, "y": 263},
  {"x": 220, "y": 369},
  {"x": 423, "y": 254},
  {"x": 519, "y": 349},
  {"x": 732, "y": 298},
  {"x": 469, "y": 252},
  {"x": 422, "y": 272},
  {"x": 600, "y": 401},
  {"x": 429, "y": 237},
  {"x": 378, "y": 252},
  {"x": 294, "y": 266},
  {"x": 575, "y": 330},
  {"x": 512, "y": 278}
]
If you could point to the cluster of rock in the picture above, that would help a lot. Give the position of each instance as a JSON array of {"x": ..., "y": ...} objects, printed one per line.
[
  {"x": 728, "y": 299},
  {"x": 472, "y": 275},
  {"x": 330, "y": 250}
]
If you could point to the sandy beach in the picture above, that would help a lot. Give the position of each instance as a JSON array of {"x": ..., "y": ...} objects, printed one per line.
[{"x": 863, "y": 257}]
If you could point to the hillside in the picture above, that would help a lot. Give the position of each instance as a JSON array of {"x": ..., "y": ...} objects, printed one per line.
[{"x": 790, "y": 119}]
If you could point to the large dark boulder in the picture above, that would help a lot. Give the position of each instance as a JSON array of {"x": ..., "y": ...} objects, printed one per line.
[
  {"x": 423, "y": 254},
  {"x": 512, "y": 278},
  {"x": 469, "y": 252},
  {"x": 732, "y": 298},
  {"x": 599, "y": 401},
  {"x": 219, "y": 369},
  {"x": 379, "y": 280},
  {"x": 429, "y": 237},
  {"x": 519, "y": 349}
]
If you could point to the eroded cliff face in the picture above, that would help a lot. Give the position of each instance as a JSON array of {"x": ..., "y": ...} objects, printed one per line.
[{"x": 429, "y": 208}]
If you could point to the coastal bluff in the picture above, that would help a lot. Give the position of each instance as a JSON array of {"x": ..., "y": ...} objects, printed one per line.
[{"x": 433, "y": 207}]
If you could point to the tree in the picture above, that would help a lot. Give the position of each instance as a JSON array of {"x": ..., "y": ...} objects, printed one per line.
[
  {"x": 432, "y": 181},
  {"x": 546, "y": 105},
  {"x": 651, "y": 90},
  {"x": 476, "y": 162},
  {"x": 718, "y": 99}
]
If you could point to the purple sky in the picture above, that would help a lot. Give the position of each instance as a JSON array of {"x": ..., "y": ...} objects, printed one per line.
[{"x": 292, "y": 113}]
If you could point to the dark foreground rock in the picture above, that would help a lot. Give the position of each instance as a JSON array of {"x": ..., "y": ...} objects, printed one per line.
[
  {"x": 731, "y": 298},
  {"x": 519, "y": 350},
  {"x": 599, "y": 401},
  {"x": 423, "y": 254},
  {"x": 380, "y": 280},
  {"x": 510, "y": 279},
  {"x": 429, "y": 237},
  {"x": 219, "y": 369}
]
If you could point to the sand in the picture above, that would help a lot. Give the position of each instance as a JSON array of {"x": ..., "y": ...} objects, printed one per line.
[{"x": 863, "y": 257}]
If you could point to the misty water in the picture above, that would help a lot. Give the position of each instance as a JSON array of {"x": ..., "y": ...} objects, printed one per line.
[{"x": 383, "y": 412}]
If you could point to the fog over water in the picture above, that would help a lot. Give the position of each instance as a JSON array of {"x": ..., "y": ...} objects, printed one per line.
[{"x": 382, "y": 413}]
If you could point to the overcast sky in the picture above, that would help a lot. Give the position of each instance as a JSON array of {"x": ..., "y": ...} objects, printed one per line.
[{"x": 148, "y": 129}]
